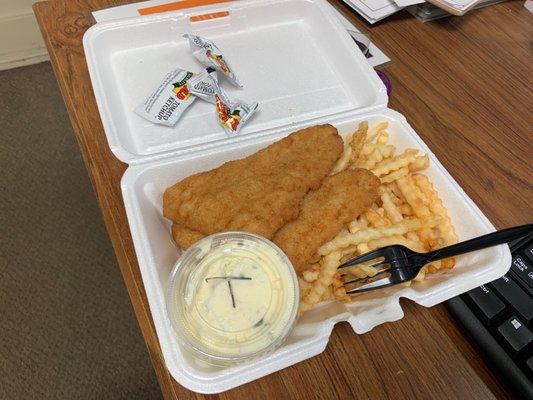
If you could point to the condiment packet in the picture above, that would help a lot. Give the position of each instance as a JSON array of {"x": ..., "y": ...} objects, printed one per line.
[
  {"x": 204, "y": 85},
  {"x": 210, "y": 55},
  {"x": 169, "y": 100},
  {"x": 232, "y": 115}
]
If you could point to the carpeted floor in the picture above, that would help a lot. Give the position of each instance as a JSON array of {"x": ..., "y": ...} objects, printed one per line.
[{"x": 67, "y": 328}]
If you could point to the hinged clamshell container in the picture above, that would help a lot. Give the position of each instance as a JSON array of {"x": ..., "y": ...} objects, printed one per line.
[{"x": 300, "y": 64}]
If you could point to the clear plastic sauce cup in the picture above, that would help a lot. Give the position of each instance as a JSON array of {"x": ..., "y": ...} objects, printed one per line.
[{"x": 232, "y": 297}]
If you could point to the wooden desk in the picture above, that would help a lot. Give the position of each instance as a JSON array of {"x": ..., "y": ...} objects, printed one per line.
[{"x": 464, "y": 85}]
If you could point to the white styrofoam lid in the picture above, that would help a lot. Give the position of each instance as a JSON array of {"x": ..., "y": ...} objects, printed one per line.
[{"x": 292, "y": 56}]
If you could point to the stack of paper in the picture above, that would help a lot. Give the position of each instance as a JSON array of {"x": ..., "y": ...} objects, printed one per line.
[
  {"x": 428, "y": 12},
  {"x": 375, "y": 10},
  {"x": 460, "y": 5}
]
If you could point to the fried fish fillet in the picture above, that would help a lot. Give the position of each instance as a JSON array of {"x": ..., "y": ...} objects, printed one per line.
[
  {"x": 324, "y": 212},
  {"x": 256, "y": 194},
  {"x": 185, "y": 237}
]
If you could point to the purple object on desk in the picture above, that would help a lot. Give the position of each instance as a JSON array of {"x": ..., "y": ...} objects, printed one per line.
[{"x": 385, "y": 79}]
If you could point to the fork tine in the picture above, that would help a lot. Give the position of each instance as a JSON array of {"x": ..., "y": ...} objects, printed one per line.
[
  {"x": 373, "y": 285},
  {"x": 365, "y": 257},
  {"x": 373, "y": 265}
]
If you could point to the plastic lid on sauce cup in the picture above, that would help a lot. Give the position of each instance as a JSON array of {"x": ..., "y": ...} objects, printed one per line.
[{"x": 232, "y": 297}]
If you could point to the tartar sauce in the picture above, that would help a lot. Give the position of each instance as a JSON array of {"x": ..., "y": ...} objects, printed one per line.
[{"x": 236, "y": 297}]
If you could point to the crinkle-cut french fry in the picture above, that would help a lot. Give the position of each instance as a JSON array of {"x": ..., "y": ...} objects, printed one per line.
[
  {"x": 395, "y": 199},
  {"x": 328, "y": 294},
  {"x": 344, "y": 160},
  {"x": 434, "y": 266},
  {"x": 409, "y": 192},
  {"x": 416, "y": 243},
  {"x": 393, "y": 187},
  {"x": 358, "y": 141},
  {"x": 383, "y": 137},
  {"x": 375, "y": 219},
  {"x": 362, "y": 248},
  {"x": 362, "y": 271},
  {"x": 421, "y": 275},
  {"x": 328, "y": 268},
  {"x": 406, "y": 210},
  {"x": 412, "y": 236},
  {"x": 340, "y": 294},
  {"x": 386, "y": 150},
  {"x": 352, "y": 148},
  {"x": 368, "y": 149},
  {"x": 448, "y": 263},
  {"x": 392, "y": 164},
  {"x": 424, "y": 235},
  {"x": 304, "y": 286},
  {"x": 446, "y": 228},
  {"x": 366, "y": 235},
  {"x": 375, "y": 130},
  {"x": 393, "y": 214},
  {"x": 349, "y": 252},
  {"x": 370, "y": 161},
  {"x": 354, "y": 226},
  {"x": 394, "y": 175},
  {"x": 339, "y": 291},
  {"x": 359, "y": 223},
  {"x": 310, "y": 275},
  {"x": 394, "y": 239},
  {"x": 420, "y": 163}
]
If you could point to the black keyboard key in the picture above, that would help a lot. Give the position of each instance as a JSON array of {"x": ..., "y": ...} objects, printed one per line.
[
  {"x": 529, "y": 366},
  {"x": 523, "y": 268},
  {"x": 516, "y": 335},
  {"x": 528, "y": 251},
  {"x": 515, "y": 297},
  {"x": 486, "y": 304}
]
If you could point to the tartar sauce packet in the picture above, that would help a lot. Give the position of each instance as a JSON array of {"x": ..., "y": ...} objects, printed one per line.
[
  {"x": 210, "y": 55},
  {"x": 204, "y": 85},
  {"x": 169, "y": 100}
]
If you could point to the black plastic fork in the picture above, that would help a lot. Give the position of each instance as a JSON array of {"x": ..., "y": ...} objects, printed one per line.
[{"x": 403, "y": 264}]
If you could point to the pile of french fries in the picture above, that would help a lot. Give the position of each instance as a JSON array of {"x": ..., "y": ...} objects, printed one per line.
[{"x": 409, "y": 212}]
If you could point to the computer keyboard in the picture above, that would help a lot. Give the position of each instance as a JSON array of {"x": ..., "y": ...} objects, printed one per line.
[{"x": 498, "y": 317}]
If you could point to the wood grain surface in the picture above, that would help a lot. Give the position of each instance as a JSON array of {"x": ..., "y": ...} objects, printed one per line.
[{"x": 464, "y": 84}]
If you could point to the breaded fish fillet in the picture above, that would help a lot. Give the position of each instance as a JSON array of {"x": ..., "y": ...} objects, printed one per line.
[
  {"x": 324, "y": 212},
  {"x": 259, "y": 193},
  {"x": 185, "y": 237}
]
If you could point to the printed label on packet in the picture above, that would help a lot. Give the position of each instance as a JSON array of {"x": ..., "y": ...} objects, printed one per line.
[
  {"x": 210, "y": 55},
  {"x": 169, "y": 100},
  {"x": 204, "y": 85},
  {"x": 232, "y": 115}
]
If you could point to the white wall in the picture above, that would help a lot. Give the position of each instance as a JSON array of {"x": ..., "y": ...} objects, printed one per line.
[
  {"x": 20, "y": 39},
  {"x": 15, "y": 6}
]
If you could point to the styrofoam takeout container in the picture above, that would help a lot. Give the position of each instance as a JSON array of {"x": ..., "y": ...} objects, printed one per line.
[{"x": 298, "y": 62}]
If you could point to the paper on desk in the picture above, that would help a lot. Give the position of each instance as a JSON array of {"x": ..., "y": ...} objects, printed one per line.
[
  {"x": 405, "y": 3},
  {"x": 373, "y": 10},
  {"x": 461, "y": 4},
  {"x": 376, "y": 56}
]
